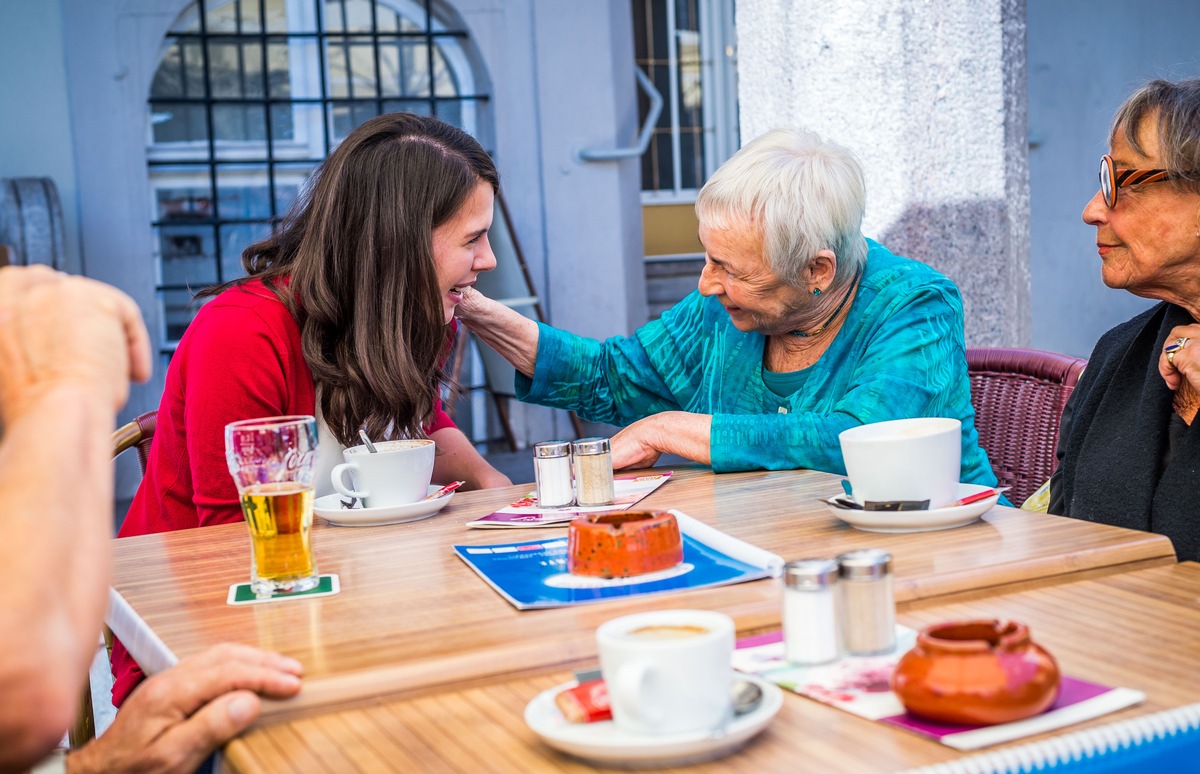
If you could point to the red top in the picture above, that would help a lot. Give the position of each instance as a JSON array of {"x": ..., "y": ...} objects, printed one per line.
[{"x": 239, "y": 359}]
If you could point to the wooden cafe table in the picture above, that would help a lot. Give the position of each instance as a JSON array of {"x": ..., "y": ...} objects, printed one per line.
[
  {"x": 1139, "y": 630},
  {"x": 411, "y": 616}
]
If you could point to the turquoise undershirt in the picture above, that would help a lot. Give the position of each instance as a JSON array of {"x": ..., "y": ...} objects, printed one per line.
[{"x": 784, "y": 383}]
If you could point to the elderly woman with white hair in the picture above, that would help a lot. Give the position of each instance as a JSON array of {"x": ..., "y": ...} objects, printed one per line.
[{"x": 800, "y": 329}]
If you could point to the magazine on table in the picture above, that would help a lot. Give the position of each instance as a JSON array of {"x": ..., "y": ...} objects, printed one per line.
[
  {"x": 861, "y": 685},
  {"x": 533, "y": 574},
  {"x": 525, "y": 513}
]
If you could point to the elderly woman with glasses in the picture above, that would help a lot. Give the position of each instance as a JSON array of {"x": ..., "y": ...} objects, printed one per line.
[
  {"x": 1128, "y": 452},
  {"x": 800, "y": 329}
]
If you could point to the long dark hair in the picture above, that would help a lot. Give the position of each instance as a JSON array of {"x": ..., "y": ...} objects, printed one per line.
[{"x": 356, "y": 250}]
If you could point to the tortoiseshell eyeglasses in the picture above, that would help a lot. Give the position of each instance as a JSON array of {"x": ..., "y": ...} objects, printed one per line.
[{"x": 1113, "y": 179}]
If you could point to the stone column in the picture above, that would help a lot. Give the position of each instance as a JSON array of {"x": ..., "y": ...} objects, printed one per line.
[{"x": 932, "y": 98}]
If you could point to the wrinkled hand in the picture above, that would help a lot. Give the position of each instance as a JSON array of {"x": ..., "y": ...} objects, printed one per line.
[
  {"x": 473, "y": 303},
  {"x": 175, "y": 719},
  {"x": 637, "y": 446},
  {"x": 1185, "y": 364},
  {"x": 57, "y": 329}
]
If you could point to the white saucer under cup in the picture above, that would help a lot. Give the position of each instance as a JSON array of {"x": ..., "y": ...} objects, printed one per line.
[
  {"x": 332, "y": 509},
  {"x": 919, "y": 521},
  {"x": 603, "y": 743}
]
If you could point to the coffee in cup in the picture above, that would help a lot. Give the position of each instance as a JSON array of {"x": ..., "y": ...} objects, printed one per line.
[
  {"x": 396, "y": 473},
  {"x": 668, "y": 671},
  {"x": 660, "y": 632},
  {"x": 909, "y": 460}
]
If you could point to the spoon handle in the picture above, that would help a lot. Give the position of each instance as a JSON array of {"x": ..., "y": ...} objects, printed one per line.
[{"x": 362, "y": 433}]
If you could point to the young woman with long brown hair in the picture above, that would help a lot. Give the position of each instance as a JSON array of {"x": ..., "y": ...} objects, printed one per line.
[{"x": 347, "y": 313}]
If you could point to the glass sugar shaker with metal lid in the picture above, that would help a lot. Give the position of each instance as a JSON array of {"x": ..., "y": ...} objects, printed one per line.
[
  {"x": 552, "y": 473},
  {"x": 593, "y": 471},
  {"x": 868, "y": 604},
  {"x": 810, "y": 611}
]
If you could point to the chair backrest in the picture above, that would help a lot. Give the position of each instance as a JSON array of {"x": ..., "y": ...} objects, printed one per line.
[
  {"x": 138, "y": 433},
  {"x": 1018, "y": 395}
]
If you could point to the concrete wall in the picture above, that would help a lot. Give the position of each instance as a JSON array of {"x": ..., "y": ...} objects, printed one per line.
[
  {"x": 1085, "y": 58},
  {"x": 35, "y": 133},
  {"x": 932, "y": 98}
]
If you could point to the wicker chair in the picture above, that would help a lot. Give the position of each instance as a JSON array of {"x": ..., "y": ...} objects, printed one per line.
[
  {"x": 139, "y": 433},
  {"x": 1019, "y": 396},
  {"x": 136, "y": 434}
]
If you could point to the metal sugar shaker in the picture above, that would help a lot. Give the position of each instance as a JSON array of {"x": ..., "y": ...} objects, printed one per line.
[
  {"x": 593, "y": 471},
  {"x": 868, "y": 602}
]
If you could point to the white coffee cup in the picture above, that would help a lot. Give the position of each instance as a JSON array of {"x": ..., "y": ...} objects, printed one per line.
[
  {"x": 904, "y": 459},
  {"x": 668, "y": 671},
  {"x": 396, "y": 473}
]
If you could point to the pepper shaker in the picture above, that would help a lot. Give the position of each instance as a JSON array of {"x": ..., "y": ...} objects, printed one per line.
[
  {"x": 593, "y": 471},
  {"x": 552, "y": 473},
  {"x": 868, "y": 602},
  {"x": 810, "y": 620}
]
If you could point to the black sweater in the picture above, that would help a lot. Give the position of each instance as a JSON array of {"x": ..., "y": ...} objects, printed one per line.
[{"x": 1125, "y": 457}]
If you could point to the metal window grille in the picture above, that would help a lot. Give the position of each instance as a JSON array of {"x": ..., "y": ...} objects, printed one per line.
[
  {"x": 251, "y": 95},
  {"x": 685, "y": 47}
]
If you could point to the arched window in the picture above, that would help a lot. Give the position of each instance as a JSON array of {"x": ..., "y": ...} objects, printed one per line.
[{"x": 251, "y": 95}]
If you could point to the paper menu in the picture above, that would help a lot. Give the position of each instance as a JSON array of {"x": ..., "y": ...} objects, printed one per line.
[
  {"x": 861, "y": 685},
  {"x": 533, "y": 573},
  {"x": 524, "y": 513}
]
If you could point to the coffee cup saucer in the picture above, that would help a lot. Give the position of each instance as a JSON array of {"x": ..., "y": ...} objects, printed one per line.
[
  {"x": 917, "y": 521},
  {"x": 330, "y": 509},
  {"x": 603, "y": 742}
]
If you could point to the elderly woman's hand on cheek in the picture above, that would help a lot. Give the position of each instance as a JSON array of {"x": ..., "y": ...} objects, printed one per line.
[
  {"x": 1179, "y": 361},
  {"x": 669, "y": 432}
]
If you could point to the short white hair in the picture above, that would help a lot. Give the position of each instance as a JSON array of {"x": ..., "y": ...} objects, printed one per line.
[{"x": 804, "y": 193}]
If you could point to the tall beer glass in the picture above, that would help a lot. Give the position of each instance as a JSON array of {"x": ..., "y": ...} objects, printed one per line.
[{"x": 271, "y": 460}]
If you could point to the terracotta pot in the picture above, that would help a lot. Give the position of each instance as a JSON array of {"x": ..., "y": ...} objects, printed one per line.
[
  {"x": 624, "y": 543},
  {"x": 976, "y": 673}
]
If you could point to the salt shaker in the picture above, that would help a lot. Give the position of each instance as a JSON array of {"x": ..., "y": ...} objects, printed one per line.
[
  {"x": 810, "y": 620},
  {"x": 552, "y": 472},
  {"x": 593, "y": 471},
  {"x": 868, "y": 604}
]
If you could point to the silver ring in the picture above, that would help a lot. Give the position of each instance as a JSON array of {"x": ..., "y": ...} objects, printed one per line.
[{"x": 1174, "y": 347}]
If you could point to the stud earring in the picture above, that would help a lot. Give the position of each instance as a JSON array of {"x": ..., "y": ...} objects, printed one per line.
[{"x": 816, "y": 291}]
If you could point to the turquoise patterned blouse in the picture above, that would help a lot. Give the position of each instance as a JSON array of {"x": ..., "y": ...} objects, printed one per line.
[{"x": 899, "y": 353}]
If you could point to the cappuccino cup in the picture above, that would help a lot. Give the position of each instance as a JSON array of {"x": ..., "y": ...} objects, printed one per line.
[
  {"x": 396, "y": 473},
  {"x": 668, "y": 671},
  {"x": 904, "y": 460}
]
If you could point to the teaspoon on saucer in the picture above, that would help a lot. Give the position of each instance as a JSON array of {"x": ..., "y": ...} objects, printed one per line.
[{"x": 744, "y": 697}]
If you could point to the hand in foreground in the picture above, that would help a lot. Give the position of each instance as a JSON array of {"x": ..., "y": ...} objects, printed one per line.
[
  {"x": 175, "y": 719},
  {"x": 1184, "y": 364},
  {"x": 57, "y": 329}
]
